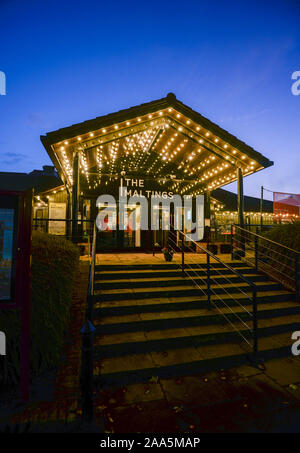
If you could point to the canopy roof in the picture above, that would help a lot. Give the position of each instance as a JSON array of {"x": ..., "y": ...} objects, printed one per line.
[
  {"x": 162, "y": 139},
  {"x": 228, "y": 201}
]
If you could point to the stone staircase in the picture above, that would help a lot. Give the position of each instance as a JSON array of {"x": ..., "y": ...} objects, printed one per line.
[{"x": 152, "y": 323}]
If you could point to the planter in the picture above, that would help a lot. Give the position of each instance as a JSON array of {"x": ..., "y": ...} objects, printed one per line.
[
  {"x": 225, "y": 248},
  {"x": 238, "y": 254},
  {"x": 213, "y": 248}
]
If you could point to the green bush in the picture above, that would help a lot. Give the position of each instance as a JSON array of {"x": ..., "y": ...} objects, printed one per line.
[{"x": 54, "y": 263}]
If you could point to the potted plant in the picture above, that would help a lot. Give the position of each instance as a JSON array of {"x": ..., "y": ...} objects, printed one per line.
[{"x": 168, "y": 253}]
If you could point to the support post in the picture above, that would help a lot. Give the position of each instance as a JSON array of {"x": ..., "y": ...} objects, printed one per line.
[
  {"x": 208, "y": 278},
  {"x": 75, "y": 196},
  {"x": 297, "y": 275},
  {"x": 87, "y": 332},
  {"x": 26, "y": 290},
  {"x": 240, "y": 197},
  {"x": 255, "y": 341},
  {"x": 240, "y": 206}
]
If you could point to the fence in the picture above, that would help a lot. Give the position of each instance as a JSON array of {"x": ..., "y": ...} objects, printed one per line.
[{"x": 276, "y": 260}]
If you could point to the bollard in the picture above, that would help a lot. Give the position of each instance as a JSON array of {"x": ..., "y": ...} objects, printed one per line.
[
  {"x": 208, "y": 279},
  {"x": 87, "y": 403}
]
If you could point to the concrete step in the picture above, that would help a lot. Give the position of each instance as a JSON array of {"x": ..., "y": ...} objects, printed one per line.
[
  {"x": 150, "y": 273},
  {"x": 178, "y": 291},
  {"x": 142, "y": 367},
  {"x": 146, "y": 322},
  {"x": 171, "y": 281},
  {"x": 140, "y": 335}
]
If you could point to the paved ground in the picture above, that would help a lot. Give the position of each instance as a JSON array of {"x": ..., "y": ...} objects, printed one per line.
[
  {"x": 243, "y": 399},
  {"x": 148, "y": 258}
]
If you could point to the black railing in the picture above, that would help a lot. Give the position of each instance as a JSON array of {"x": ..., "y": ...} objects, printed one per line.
[
  {"x": 279, "y": 262},
  {"x": 210, "y": 288},
  {"x": 87, "y": 332},
  {"x": 65, "y": 227}
]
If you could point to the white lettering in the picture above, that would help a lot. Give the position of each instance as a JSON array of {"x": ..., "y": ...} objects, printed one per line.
[
  {"x": 2, "y": 84},
  {"x": 296, "y": 345}
]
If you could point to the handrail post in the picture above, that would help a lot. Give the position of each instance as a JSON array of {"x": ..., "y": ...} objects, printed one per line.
[
  {"x": 297, "y": 275},
  {"x": 254, "y": 301},
  {"x": 208, "y": 278},
  {"x": 89, "y": 313},
  {"x": 256, "y": 252},
  {"x": 182, "y": 254},
  {"x": 87, "y": 333}
]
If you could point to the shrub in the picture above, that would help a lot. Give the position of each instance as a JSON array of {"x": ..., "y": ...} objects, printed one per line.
[
  {"x": 54, "y": 263},
  {"x": 288, "y": 235}
]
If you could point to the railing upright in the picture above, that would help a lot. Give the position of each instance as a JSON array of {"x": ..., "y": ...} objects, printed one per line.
[
  {"x": 296, "y": 275},
  {"x": 256, "y": 252},
  {"x": 260, "y": 251},
  {"x": 87, "y": 387},
  {"x": 255, "y": 335},
  {"x": 91, "y": 277},
  {"x": 208, "y": 278},
  {"x": 231, "y": 241}
]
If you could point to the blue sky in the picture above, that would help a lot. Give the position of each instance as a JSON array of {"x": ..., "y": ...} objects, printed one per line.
[{"x": 69, "y": 61}]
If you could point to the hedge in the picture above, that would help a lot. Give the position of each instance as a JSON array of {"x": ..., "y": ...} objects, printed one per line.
[
  {"x": 281, "y": 260},
  {"x": 54, "y": 265},
  {"x": 288, "y": 235}
]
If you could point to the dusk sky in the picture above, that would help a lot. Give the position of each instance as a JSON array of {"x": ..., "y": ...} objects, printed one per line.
[{"x": 69, "y": 61}]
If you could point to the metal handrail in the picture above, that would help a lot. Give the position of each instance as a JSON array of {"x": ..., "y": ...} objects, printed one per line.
[
  {"x": 247, "y": 236},
  {"x": 91, "y": 276},
  {"x": 209, "y": 255}
]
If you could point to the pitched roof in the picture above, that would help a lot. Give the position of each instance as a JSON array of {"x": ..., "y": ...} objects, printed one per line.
[{"x": 23, "y": 181}]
